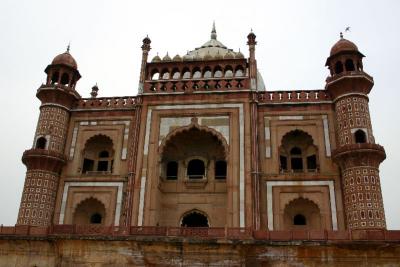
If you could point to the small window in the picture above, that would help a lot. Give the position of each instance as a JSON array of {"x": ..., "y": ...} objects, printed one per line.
[
  {"x": 65, "y": 79},
  {"x": 155, "y": 76},
  {"x": 360, "y": 137},
  {"x": 196, "y": 169},
  {"x": 299, "y": 219},
  {"x": 283, "y": 162},
  {"x": 41, "y": 143},
  {"x": 220, "y": 169},
  {"x": 54, "y": 78},
  {"x": 312, "y": 162},
  {"x": 176, "y": 75},
  {"x": 96, "y": 218},
  {"x": 88, "y": 165},
  {"x": 218, "y": 74},
  {"x": 172, "y": 170},
  {"x": 197, "y": 74},
  {"x": 239, "y": 73},
  {"x": 102, "y": 166},
  {"x": 186, "y": 74},
  {"x": 295, "y": 151},
  {"x": 104, "y": 154},
  {"x": 338, "y": 67},
  {"x": 207, "y": 74},
  {"x": 228, "y": 73},
  {"x": 165, "y": 76},
  {"x": 349, "y": 65}
]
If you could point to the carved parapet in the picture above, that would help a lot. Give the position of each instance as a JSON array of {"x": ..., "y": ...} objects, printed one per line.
[
  {"x": 299, "y": 96},
  {"x": 364, "y": 154},
  {"x": 126, "y": 102},
  {"x": 196, "y": 85},
  {"x": 43, "y": 159}
]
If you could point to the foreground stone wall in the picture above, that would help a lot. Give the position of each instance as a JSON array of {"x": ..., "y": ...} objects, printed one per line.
[{"x": 151, "y": 251}]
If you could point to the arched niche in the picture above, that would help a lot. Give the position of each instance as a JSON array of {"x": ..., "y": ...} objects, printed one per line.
[
  {"x": 89, "y": 211},
  {"x": 302, "y": 213}
]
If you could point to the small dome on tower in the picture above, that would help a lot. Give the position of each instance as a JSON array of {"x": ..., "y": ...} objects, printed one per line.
[
  {"x": 187, "y": 57},
  {"x": 229, "y": 55},
  {"x": 156, "y": 58},
  {"x": 343, "y": 45},
  {"x": 166, "y": 57},
  {"x": 177, "y": 58},
  {"x": 239, "y": 55},
  {"x": 65, "y": 59}
]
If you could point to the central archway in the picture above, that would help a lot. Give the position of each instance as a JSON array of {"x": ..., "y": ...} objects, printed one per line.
[{"x": 194, "y": 219}]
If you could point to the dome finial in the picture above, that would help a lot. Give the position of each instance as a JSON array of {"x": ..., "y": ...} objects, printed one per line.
[
  {"x": 213, "y": 32},
  {"x": 68, "y": 46},
  {"x": 341, "y": 35}
]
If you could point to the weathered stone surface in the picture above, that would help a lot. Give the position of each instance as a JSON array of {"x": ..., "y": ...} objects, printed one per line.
[{"x": 140, "y": 251}]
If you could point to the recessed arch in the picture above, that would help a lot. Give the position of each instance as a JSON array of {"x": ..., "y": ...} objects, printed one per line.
[
  {"x": 89, "y": 211},
  {"x": 194, "y": 218},
  {"x": 195, "y": 125}
]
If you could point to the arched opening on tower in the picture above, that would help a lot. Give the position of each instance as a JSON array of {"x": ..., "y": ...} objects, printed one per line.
[
  {"x": 89, "y": 211},
  {"x": 55, "y": 77},
  {"x": 338, "y": 67},
  {"x": 194, "y": 219},
  {"x": 349, "y": 64},
  {"x": 64, "y": 79},
  {"x": 41, "y": 143},
  {"x": 360, "y": 137}
]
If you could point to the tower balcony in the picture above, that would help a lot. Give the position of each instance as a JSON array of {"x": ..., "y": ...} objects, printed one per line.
[
  {"x": 43, "y": 159},
  {"x": 363, "y": 154},
  {"x": 57, "y": 94},
  {"x": 349, "y": 82}
]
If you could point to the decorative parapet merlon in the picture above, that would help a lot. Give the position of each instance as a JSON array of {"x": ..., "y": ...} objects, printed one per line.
[
  {"x": 124, "y": 102},
  {"x": 299, "y": 97}
]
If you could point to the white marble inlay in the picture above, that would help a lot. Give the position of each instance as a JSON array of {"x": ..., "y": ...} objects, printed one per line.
[
  {"x": 141, "y": 200},
  {"x": 241, "y": 150},
  {"x": 326, "y": 135},
  {"x": 271, "y": 184},
  {"x": 118, "y": 204},
  {"x": 284, "y": 118}
]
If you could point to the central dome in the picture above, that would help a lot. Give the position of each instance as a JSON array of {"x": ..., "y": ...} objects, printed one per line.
[{"x": 212, "y": 49}]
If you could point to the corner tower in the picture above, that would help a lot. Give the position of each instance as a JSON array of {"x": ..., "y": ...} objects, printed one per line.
[
  {"x": 46, "y": 158},
  {"x": 357, "y": 154}
]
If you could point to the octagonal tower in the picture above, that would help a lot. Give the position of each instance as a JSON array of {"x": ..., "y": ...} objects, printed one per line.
[
  {"x": 46, "y": 158},
  {"x": 356, "y": 154}
]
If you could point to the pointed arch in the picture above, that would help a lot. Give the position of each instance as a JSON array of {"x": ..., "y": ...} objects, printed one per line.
[
  {"x": 202, "y": 216},
  {"x": 194, "y": 125}
]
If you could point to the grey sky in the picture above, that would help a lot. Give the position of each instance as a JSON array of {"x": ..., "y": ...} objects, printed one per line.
[{"x": 294, "y": 39}]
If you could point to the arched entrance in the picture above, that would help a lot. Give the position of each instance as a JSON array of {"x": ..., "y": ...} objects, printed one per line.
[{"x": 194, "y": 219}]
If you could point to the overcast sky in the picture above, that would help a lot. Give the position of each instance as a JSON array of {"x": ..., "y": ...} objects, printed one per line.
[{"x": 294, "y": 40}]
